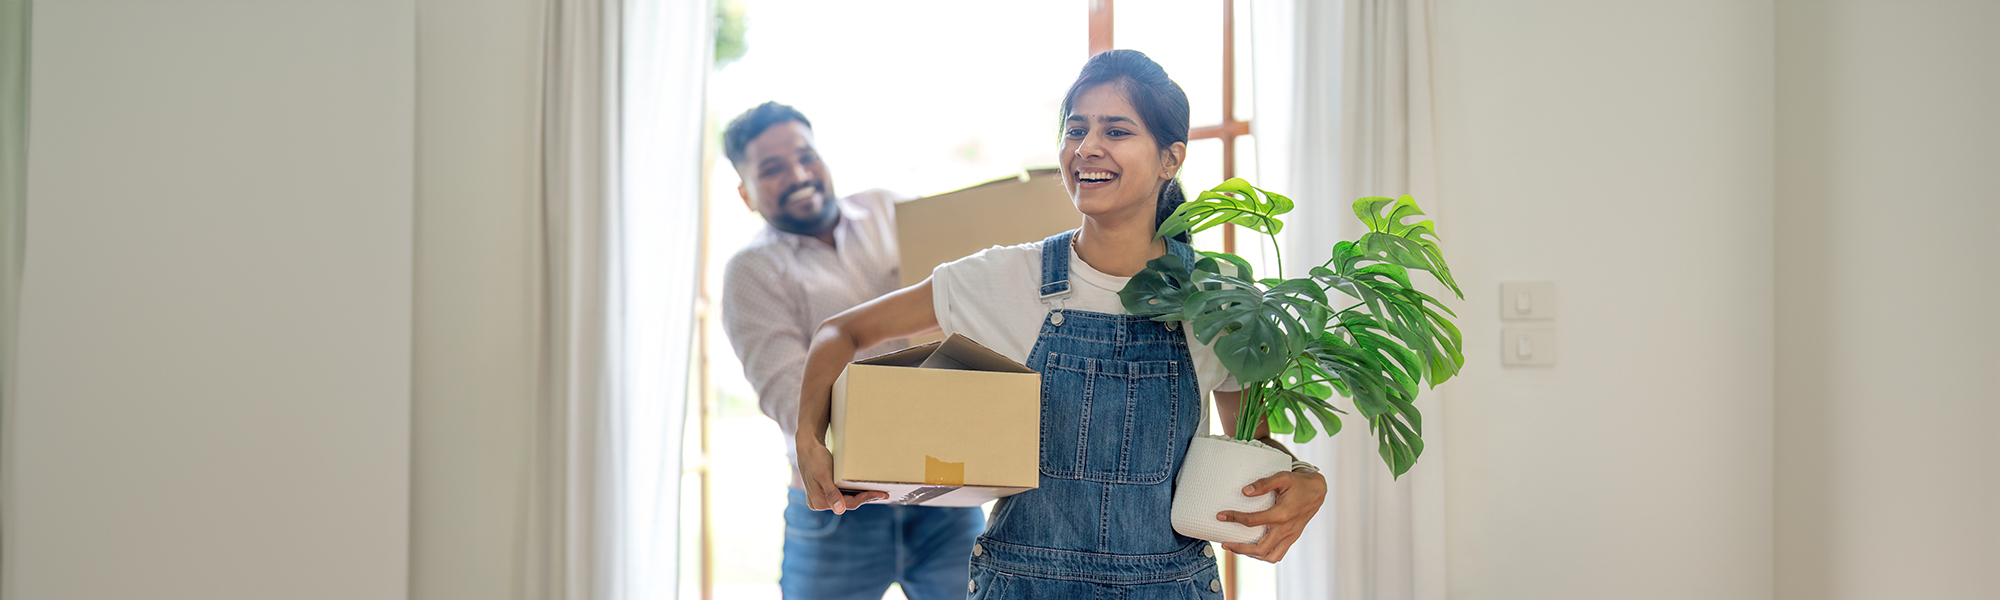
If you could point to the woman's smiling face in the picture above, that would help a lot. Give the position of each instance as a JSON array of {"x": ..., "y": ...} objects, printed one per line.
[{"x": 1111, "y": 162}]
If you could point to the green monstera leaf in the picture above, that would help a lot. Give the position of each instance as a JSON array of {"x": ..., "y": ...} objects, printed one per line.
[
  {"x": 1235, "y": 201},
  {"x": 1413, "y": 317},
  {"x": 1382, "y": 390},
  {"x": 1255, "y": 331},
  {"x": 1225, "y": 264},
  {"x": 1397, "y": 443},
  {"x": 1404, "y": 365},
  {"x": 1390, "y": 240},
  {"x": 1160, "y": 291},
  {"x": 1291, "y": 412},
  {"x": 1444, "y": 352},
  {"x": 1219, "y": 299}
]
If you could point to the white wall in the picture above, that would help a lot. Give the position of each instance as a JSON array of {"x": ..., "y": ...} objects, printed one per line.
[
  {"x": 215, "y": 324},
  {"x": 1888, "y": 194},
  {"x": 478, "y": 63},
  {"x": 1624, "y": 151},
  {"x": 262, "y": 236}
]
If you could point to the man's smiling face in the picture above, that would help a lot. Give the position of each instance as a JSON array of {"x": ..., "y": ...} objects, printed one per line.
[{"x": 785, "y": 181}]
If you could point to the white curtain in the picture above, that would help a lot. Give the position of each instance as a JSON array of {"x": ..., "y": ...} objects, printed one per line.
[
  {"x": 568, "y": 552},
  {"x": 667, "y": 56},
  {"x": 622, "y": 89},
  {"x": 1344, "y": 111},
  {"x": 13, "y": 177}
]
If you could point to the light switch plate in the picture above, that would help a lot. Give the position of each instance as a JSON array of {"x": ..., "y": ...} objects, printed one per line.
[
  {"x": 1528, "y": 347},
  {"x": 1528, "y": 300}
]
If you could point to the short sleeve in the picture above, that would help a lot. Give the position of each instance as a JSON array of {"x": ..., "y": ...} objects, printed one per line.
[{"x": 941, "y": 293}]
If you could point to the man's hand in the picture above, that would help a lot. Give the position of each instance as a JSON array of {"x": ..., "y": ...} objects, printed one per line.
[
  {"x": 1299, "y": 498},
  {"x": 816, "y": 468}
]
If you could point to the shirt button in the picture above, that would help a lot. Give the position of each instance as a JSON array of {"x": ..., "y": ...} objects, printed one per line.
[
  {"x": 1215, "y": 585},
  {"x": 1208, "y": 551},
  {"x": 978, "y": 549}
]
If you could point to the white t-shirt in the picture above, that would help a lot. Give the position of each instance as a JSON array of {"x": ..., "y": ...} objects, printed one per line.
[{"x": 994, "y": 297}]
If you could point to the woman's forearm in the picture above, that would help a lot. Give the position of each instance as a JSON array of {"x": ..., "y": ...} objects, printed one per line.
[
  {"x": 899, "y": 314},
  {"x": 830, "y": 350}
]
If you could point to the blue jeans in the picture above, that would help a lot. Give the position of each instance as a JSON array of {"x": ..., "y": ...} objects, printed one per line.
[{"x": 857, "y": 555}]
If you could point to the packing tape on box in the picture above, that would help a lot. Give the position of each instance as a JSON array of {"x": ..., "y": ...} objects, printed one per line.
[
  {"x": 926, "y": 494},
  {"x": 937, "y": 472}
]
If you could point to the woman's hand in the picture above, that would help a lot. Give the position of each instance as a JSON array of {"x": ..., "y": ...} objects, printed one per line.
[
  {"x": 816, "y": 468},
  {"x": 1299, "y": 498}
]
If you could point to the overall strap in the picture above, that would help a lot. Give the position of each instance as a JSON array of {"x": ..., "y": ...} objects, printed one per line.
[
  {"x": 1187, "y": 255},
  {"x": 1055, "y": 264}
]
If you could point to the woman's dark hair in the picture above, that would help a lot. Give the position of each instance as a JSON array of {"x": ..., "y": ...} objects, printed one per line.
[{"x": 1161, "y": 104}]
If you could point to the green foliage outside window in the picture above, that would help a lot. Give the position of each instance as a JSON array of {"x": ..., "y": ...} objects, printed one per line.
[{"x": 729, "y": 31}]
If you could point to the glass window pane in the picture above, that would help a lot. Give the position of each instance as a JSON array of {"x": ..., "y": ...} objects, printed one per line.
[
  {"x": 1203, "y": 170},
  {"x": 1185, "y": 37},
  {"x": 904, "y": 95},
  {"x": 1245, "y": 97},
  {"x": 1246, "y": 164},
  {"x": 1252, "y": 246}
]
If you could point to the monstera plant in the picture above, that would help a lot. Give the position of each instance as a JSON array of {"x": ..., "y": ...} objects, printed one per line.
[{"x": 1355, "y": 325}]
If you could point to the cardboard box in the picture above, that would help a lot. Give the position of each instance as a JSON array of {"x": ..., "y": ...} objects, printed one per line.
[
  {"x": 948, "y": 423},
  {"x": 939, "y": 229}
]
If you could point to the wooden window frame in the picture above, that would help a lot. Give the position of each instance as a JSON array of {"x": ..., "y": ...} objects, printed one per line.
[
  {"x": 1100, "y": 15},
  {"x": 1227, "y": 131}
]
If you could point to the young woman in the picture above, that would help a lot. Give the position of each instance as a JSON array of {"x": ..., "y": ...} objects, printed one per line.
[{"x": 1121, "y": 394}]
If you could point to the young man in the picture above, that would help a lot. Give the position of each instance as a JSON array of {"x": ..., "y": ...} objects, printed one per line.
[{"x": 818, "y": 255}]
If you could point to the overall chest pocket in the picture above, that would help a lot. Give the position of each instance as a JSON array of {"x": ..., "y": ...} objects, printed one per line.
[{"x": 1111, "y": 421}]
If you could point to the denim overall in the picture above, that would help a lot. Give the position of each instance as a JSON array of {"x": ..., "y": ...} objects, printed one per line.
[{"x": 1120, "y": 402}]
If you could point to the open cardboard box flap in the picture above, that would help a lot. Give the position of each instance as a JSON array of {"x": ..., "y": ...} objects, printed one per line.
[
  {"x": 949, "y": 423},
  {"x": 956, "y": 352}
]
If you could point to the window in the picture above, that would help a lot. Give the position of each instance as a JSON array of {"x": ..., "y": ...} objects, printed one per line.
[{"x": 907, "y": 97}]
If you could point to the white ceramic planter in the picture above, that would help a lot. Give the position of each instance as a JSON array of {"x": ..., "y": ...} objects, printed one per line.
[{"x": 1212, "y": 481}]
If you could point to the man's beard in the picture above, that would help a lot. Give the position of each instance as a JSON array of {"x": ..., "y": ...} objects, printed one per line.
[{"x": 817, "y": 224}]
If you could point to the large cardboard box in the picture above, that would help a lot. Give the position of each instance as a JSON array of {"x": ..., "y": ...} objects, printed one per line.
[
  {"x": 939, "y": 229},
  {"x": 948, "y": 423}
]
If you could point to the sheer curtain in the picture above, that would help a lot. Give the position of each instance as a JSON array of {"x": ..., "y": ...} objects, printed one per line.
[
  {"x": 13, "y": 176},
  {"x": 1344, "y": 111},
  {"x": 13, "y": 198},
  {"x": 621, "y": 141},
  {"x": 667, "y": 54}
]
